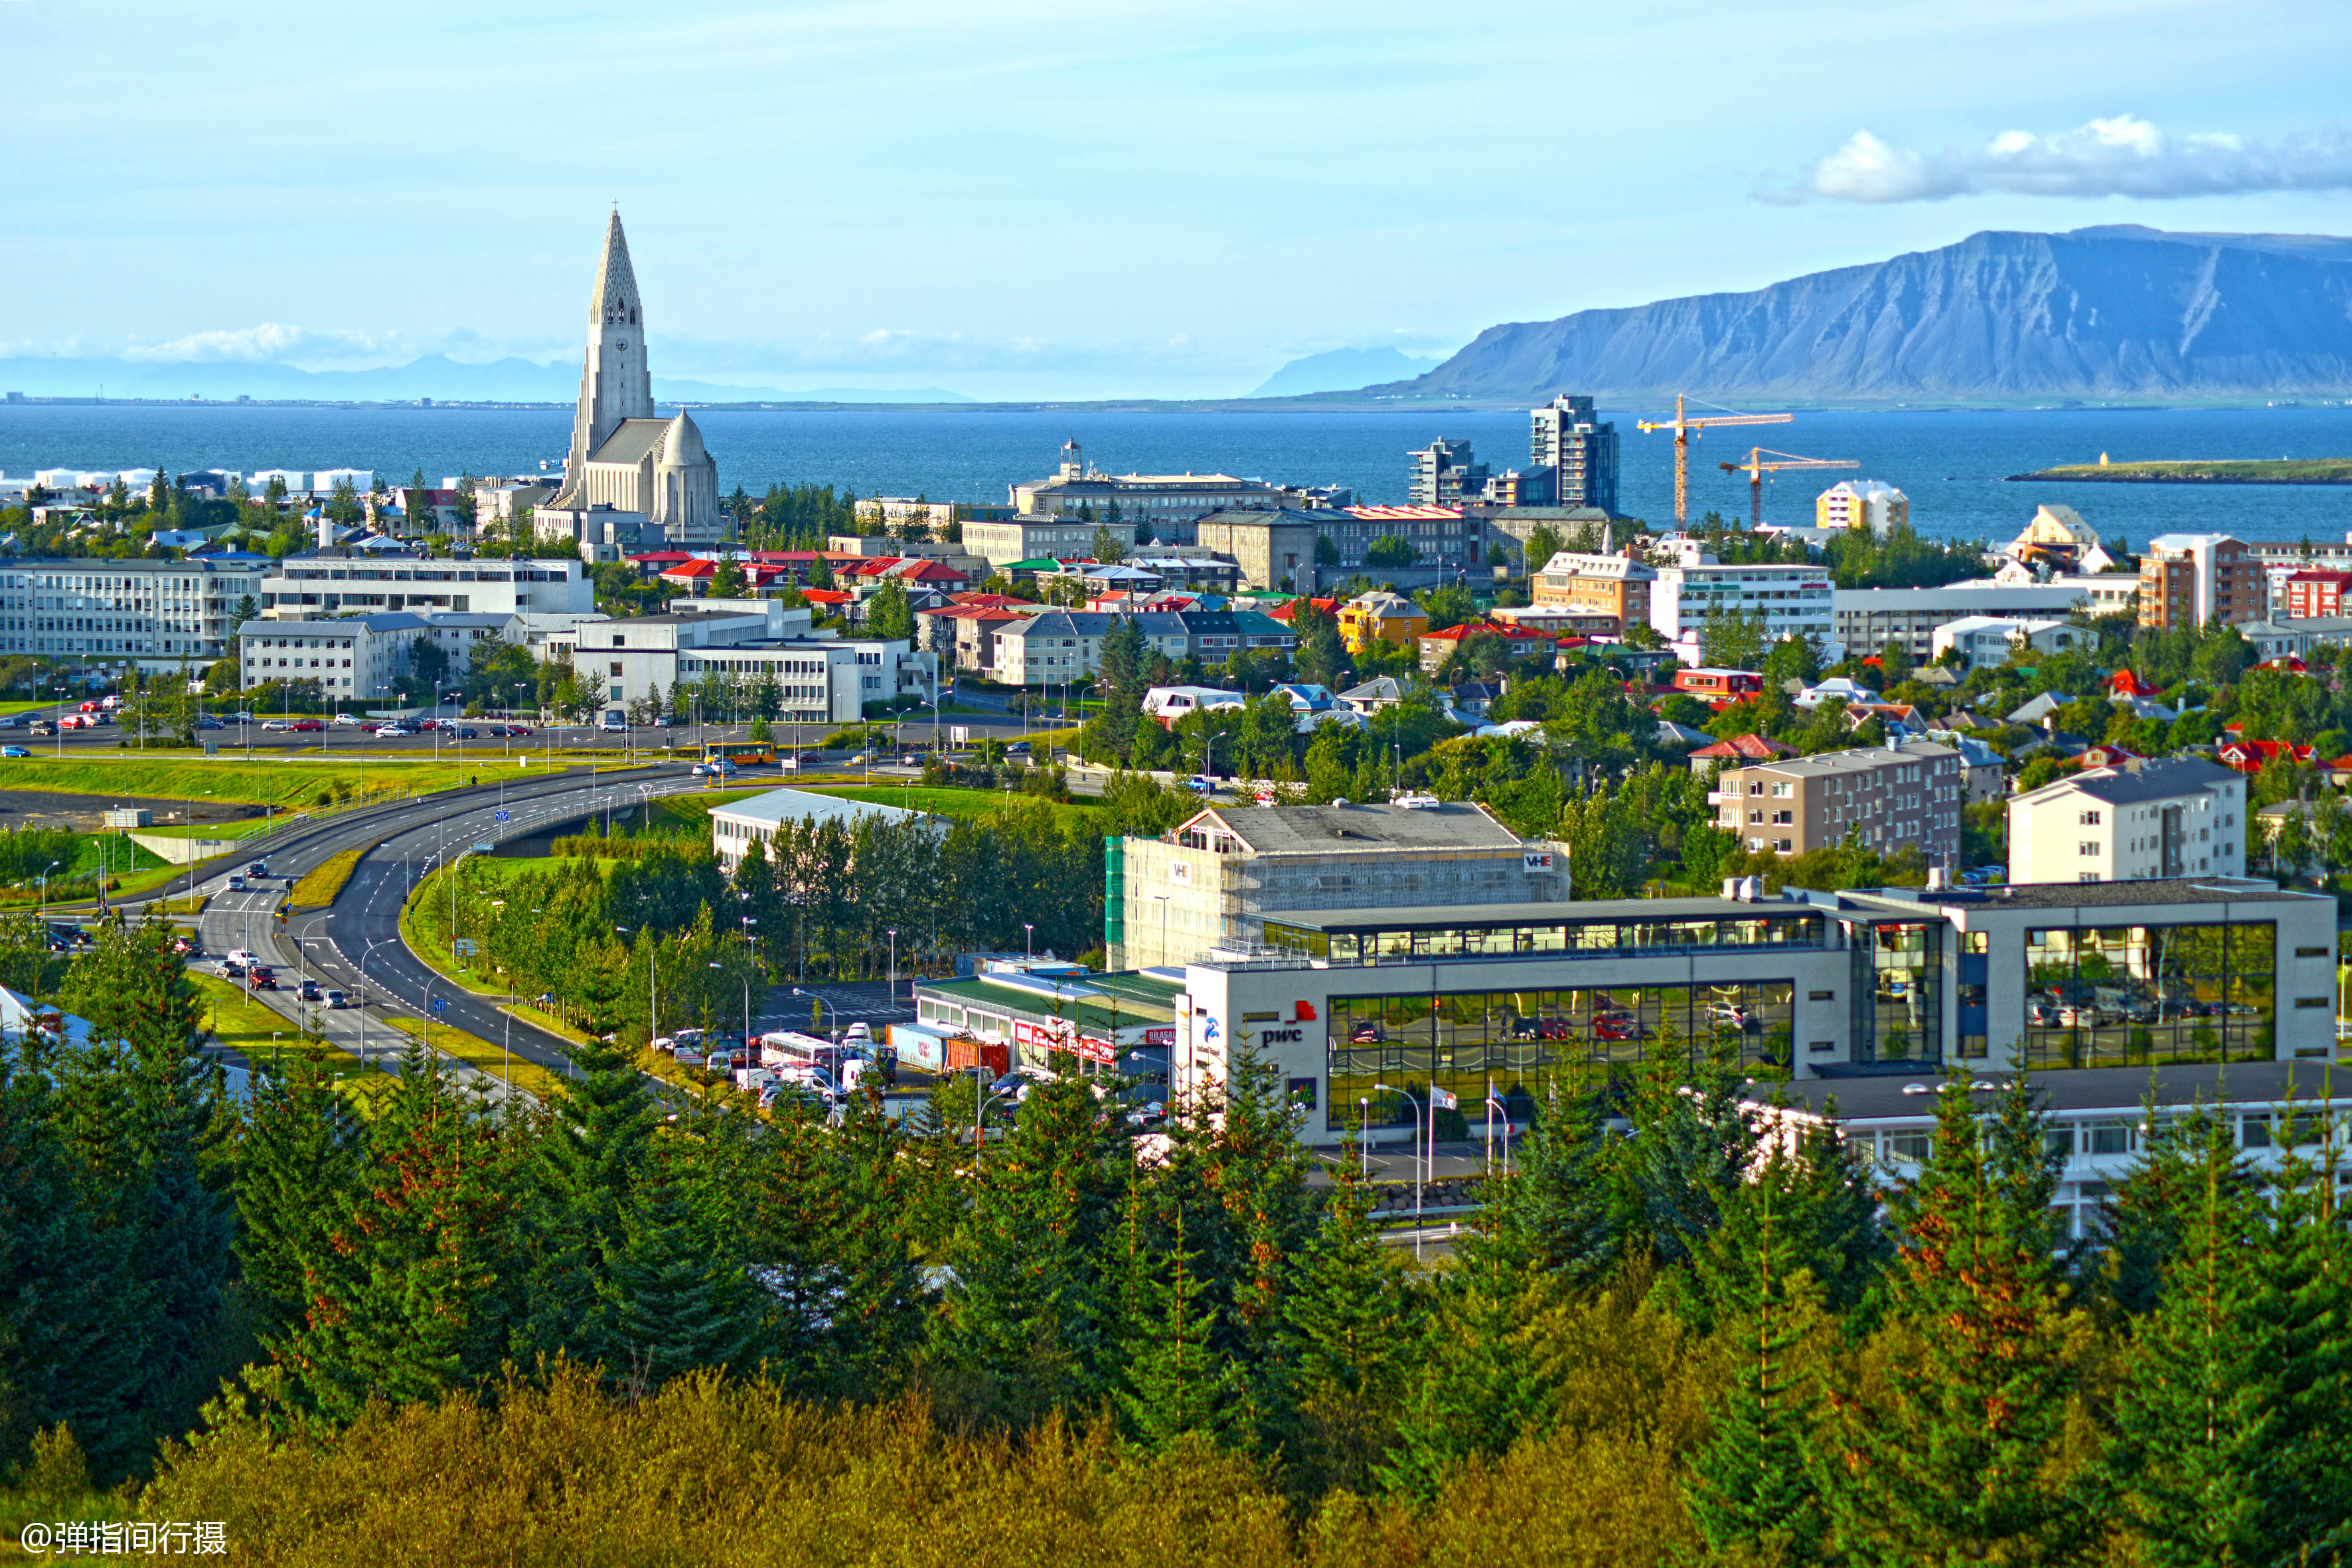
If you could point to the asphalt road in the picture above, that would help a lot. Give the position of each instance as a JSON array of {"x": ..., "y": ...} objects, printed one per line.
[{"x": 353, "y": 946}]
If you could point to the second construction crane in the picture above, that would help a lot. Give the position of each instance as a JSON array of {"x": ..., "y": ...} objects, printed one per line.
[
  {"x": 1685, "y": 426},
  {"x": 1756, "y": 467}
]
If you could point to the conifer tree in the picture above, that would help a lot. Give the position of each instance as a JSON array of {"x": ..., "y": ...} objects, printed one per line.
[
  {"x": 412, "y": 1307},
  {"x": 1553, "y": 1215},
  {"x": 877, "y": 1318},
  {"x": 74, "y": 1309},
  {"x": 1350, "y": 1318},
  {"x": 1481, "y": 1376},
  {"x": 1030, "y": 1316},
  {"x": 302, "y": 1148},
  {"x": 2198, "y": 1414},
  {"x": 2302, "y": 1301},
  {"x": 586, "y": 1165},
  {"x": 2148, "y": 1216},
  {"x": 1953, "y": 1457},
  {"x": 677, "y": 1303},
  {"x": 1175, "y": 1383},
  {"x": 1750, "y": 1486}
]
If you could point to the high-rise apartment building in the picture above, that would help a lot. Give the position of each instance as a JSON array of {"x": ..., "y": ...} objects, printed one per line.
[
  {"x": 2190, "y": 579},
  {"x": 1581, "y": 451},
  {"x": 1444, "y": 473}
]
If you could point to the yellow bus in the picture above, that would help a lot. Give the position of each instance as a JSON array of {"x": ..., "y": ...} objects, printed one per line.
[{"x": 743, "y": 754}]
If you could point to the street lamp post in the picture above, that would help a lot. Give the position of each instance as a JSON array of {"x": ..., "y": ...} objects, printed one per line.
[
  {"x": 1493, "y": 1105},
  {"x": 1363, "y": 1134},
  {"x": 1029, "y": 939},
  {"x": 890, "y": 985},
  {"x": 1417, "y": 1167}
]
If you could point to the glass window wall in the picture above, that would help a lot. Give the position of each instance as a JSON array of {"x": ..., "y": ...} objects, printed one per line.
[
  {"x": 1488, "y": 938},
  {"x": 1512, "y": 1039},
  {"x": 2131, "y": 995}
]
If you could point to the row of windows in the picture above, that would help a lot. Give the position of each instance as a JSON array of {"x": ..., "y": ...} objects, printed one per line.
[
  {"x": 1591, "y": 939},
  {"x": 1385, "y": 1053}
]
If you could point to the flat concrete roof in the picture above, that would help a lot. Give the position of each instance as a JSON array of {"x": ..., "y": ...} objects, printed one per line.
[
  {"x": 1881, "y": 1096},
  {"x": 2153, "y": 891},
  {"x": 1577, "y": 911}
]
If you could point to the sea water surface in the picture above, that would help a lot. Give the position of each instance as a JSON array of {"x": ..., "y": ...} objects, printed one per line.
[{"x": 1952, "y": 465}]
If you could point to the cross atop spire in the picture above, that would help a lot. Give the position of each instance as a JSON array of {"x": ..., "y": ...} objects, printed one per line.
[{"x": 616, "y": 299}]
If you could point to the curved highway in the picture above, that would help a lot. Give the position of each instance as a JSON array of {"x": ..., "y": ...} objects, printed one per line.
[{"x": 353, "y": 945}]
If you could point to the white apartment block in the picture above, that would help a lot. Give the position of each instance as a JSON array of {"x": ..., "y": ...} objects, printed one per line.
[
  {"x": 1992, "y": 639},
  {"x": 354, "y": 656},
  {"x": 154, "y": 614},
  {"x": 1029, "y": 539},
  {"x": 2180, "y": 816},
  {"x": 1794, "y": 601},
  {"x": 1889, "y": 797},
  {"x": 342, "y": 580},
  {"x": 819, "y": 678},
  {"x": 1865, "y": 620}
]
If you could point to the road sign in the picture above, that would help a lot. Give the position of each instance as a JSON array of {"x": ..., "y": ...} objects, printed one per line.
[
  {"x": 959, "y": 735},
  {"x": 440, "y": 1003},
  {"x": 500, "y": 816},
  {"x": 485, "y": 849},
  {"x": 465, "y": 947}
]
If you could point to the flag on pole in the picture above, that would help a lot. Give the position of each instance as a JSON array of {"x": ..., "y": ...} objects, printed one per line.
[{"x": 1443, "y": 1099}]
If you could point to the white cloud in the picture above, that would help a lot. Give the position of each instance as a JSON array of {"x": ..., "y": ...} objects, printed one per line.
[
  {"x": 2120, "y": 156},
  {"x": 272, "y": 342}
]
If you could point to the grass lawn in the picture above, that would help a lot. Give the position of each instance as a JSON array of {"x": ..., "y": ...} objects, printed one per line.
[
  {"x": 291, "y": 782},
  {"x": 694, "y": 810},
  {"x": 244, "y": 829},
  {"x": 318, "y": 886},
  {"x": 973, "y": 803},
  {"x": 246, "y": 1025},
  {"x": 484, "y": 1055},
  {"x": 437, "y": 957}
]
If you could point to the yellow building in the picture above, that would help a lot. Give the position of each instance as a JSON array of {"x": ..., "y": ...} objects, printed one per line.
[
  {"x": 1382, "y": 618},
  {"x": 1863, "y": 504}
]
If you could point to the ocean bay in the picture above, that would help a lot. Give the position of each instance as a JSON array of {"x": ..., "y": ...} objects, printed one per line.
[{"x": 1952, "y": 463}]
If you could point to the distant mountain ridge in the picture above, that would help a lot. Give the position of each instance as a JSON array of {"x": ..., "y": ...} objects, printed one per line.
[
  {"x": 2112, "y": 313},
  {"x": 435, "y": 376},
  {"x": 1338, "y": 369}
]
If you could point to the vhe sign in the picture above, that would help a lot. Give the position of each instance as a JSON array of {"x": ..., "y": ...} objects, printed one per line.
[{"x": 1535, "y": 862}]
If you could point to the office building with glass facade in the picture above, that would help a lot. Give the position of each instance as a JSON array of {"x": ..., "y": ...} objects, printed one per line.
[{"x": 1369, "y": 1012}]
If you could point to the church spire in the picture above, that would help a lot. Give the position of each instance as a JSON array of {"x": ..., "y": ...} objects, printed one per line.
[{"x": 616, "y": 299}]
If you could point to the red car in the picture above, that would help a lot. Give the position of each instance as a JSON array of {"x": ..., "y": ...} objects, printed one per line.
[
  {"x": 263, "y": 979},
  {"x": 1365, "y": 1035},
  {"x": 308, "y": 725},
  {"x": 1617, "y": 1026}
]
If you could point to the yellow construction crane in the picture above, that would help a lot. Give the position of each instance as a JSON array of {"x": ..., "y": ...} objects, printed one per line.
[
  {"x": 1684, "y": 427},
  {"x": 1756, "y": 467}
]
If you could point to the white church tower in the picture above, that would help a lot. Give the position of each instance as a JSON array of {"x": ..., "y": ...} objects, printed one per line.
[
  {"x": 615, "y": 382},
  {"x": 632, "y": 478}
]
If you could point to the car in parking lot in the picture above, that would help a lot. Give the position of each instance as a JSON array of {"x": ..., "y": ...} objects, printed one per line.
[
  {"x": 207, "y": 721},
  {"x": 393, "y": 733},
  {"x": 463, "y": 732},
  {"x": 352, "y": 720},
  {"x": 15, "y": 752},
  {"x": 278, "y": 724},
  {"x": 612, "y": 724},
  {"x": 308, "y": 726}
]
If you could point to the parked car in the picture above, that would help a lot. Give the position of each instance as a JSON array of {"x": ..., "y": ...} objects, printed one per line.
[
  {"x": 15, "y": 752},
  {"x": 278, "y": 724},
  {"x": 393, "y": 733},
  {"x": 612, "y": 724},
  {"x": 350, "y": 721},
  {"x": 467, "y": 734},
  {"x": 308, "y": 726},
  {"x": 207, "y": 721},
  {"x": 858, "y": 1030}
]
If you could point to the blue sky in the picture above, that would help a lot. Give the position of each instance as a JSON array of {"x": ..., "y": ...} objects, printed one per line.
[{"x": 1025, "y": 199}]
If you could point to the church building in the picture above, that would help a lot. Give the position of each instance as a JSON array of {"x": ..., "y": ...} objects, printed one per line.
[{"x": 633, "y": 478}]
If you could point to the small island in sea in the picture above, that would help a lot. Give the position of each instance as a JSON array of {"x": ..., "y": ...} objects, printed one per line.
[{"x": 2205, "y": 471}]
